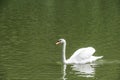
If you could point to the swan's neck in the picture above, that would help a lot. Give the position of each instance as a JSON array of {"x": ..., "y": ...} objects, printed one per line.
[{"x": 64, "y": 51}]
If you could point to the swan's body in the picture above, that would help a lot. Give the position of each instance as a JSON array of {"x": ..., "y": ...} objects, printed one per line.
[{"x": 80, "y": 56}]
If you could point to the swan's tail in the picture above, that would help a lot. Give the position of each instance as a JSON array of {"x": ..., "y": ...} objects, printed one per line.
[
  {"x": 99, "y": 57},
  {"x": 94, "y": 58}
]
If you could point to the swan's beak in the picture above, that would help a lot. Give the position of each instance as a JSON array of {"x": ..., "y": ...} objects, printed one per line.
[{"x": 58, "y": 42}]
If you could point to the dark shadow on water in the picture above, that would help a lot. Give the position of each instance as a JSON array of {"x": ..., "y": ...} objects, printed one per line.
[{"x": 3, "y": 4}]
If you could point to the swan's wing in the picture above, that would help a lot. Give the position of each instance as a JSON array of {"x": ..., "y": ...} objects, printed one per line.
[{"x": 83, "y": 53}]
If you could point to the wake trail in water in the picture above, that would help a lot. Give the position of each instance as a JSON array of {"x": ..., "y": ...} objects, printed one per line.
[{"x": 107, "y": 62}]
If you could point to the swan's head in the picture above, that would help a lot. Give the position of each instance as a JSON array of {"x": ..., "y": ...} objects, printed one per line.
[{"x": 60, "y": 41}]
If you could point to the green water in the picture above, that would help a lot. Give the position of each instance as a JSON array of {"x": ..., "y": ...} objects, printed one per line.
[{"x": 30, "y": 28}]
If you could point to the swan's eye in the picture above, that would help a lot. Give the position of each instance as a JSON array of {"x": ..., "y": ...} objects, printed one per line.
[{"x": 59, "y": 40}]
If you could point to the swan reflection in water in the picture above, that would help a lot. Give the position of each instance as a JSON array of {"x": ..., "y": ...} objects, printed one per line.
[
  {"x": 64, "y": 72},
  {"x": 83, "y": 70}
]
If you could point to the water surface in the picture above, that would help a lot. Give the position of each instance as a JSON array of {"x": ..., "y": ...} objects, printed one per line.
[{"x": 29, "y": 30}]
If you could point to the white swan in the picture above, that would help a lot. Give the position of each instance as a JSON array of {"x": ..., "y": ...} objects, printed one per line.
[{"x": 80, "y": 56}]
